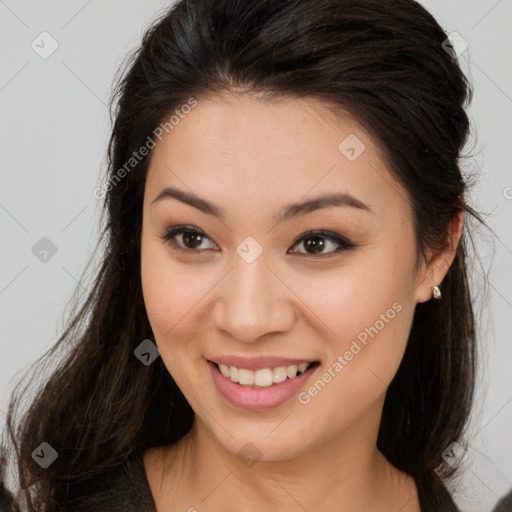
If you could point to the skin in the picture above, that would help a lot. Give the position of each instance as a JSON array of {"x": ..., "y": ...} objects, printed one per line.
[{"x": 252, "y": 158}]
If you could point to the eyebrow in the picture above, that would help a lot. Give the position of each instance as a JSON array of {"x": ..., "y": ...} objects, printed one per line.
[{"x": 288, "y": 212}]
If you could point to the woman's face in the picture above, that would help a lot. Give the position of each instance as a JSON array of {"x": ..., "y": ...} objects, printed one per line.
[{"x": 245, "y": 285}]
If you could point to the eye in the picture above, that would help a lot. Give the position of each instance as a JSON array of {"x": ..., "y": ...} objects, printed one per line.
[
  {"x": 192, "y": 239},
  {"x": 315, "y": 241}
]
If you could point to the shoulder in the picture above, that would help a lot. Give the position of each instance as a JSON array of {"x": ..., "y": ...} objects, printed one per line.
[
  {"x": 433, "y": 495},
  {"x": 124, "y": 488}
]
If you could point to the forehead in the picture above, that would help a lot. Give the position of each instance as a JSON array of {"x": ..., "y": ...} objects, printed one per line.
[{"x": 265, "y": 152}]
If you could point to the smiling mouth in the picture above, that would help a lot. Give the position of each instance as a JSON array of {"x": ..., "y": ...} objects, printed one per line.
[{"x": 265, "y": 377}]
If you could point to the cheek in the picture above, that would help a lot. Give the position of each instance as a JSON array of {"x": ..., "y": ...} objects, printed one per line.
[
  {"x": 168, "y": 295},
  {"x": 157, "y": 292},
  {"x": 362, "y": 362},
  {"x": 172, "y": 295},
  {"x": 369, "y": 296},
  {"x": 365, "y": 315}
]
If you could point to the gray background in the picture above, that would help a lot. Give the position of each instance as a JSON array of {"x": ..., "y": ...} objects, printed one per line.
[{"x": 54, "y": 131}]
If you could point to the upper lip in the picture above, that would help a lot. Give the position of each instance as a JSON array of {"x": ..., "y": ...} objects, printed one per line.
[{"x": 258, "y": 363}]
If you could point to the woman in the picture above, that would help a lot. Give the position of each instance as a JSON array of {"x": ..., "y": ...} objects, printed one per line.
[{"x": 282, "y": 318}]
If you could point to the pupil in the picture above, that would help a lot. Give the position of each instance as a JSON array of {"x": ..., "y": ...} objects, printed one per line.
[
  {"x": 192, "y": 239},
  {"x": 317, "y": 244}
]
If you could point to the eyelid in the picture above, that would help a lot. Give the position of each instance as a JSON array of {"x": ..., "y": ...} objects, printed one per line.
[
  {"x": 342, "y": 242},
  {"x": 328, "y": 235},
  {"x": 173, "y": 231},
  {"x": 322, "y": 233}
]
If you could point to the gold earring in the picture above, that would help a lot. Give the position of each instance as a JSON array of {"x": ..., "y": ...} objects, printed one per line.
[{"x": 436, "y": 292}]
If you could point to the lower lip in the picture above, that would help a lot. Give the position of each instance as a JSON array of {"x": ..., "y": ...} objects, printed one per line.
[{"x": 256, "y": 399}]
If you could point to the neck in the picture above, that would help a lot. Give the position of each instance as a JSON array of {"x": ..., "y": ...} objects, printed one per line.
[{"x": 343, "y": 474}]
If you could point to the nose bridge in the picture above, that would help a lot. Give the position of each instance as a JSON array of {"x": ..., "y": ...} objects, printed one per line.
[{"x": 253, "y": 301}]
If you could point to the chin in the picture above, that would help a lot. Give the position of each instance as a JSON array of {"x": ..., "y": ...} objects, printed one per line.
[{"x": 268, "y": 441}]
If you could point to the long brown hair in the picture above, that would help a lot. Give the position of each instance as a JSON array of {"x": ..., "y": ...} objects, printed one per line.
[{"x": 385, "y": 63}]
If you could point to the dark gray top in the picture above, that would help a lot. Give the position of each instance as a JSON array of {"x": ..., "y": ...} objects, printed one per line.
[{"x": 126, "y": 489}]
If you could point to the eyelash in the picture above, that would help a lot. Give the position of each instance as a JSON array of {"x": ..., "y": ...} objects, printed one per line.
[{"x": 332, "y": 237}]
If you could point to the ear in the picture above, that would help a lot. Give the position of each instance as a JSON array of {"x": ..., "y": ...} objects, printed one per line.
[{"x": 434, "y": 273}]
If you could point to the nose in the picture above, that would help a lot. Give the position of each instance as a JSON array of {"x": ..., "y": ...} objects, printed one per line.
[{"x": 253, "y": 302}]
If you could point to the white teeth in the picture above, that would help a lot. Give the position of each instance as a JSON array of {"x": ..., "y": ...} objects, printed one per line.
[
  {"x": 245, "y": 377},
  {"x": 279, "y": 374},
  {"x": 233, "y": 374},
  {"x": 262, "y": 378},
  {"x": 291, "y": 371}
]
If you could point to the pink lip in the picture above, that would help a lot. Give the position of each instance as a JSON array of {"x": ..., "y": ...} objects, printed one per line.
[
  {"x": 258, "y": 363},
  {"x": 256, "y": 399}
]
